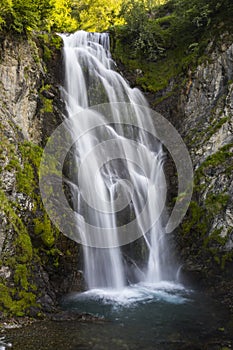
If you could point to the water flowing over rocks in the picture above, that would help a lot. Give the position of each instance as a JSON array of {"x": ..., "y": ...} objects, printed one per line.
[
  {"x": 30, "y": 109},
  {"x": 88, "y": 75}
]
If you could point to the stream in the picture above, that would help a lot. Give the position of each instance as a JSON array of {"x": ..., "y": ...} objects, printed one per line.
[{"x": 163, "y": 316}]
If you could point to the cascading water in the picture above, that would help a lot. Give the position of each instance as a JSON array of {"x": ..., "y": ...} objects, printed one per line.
[
  {"x": 90, "y": 80},
  {"x": 146, "y": 311}
]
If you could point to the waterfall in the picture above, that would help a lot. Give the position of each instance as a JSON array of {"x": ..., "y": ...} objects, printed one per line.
[{"x": 138, "y": 178}]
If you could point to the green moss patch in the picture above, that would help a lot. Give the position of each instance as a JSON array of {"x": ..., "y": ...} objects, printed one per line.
[{"x": 33, "y": 237}]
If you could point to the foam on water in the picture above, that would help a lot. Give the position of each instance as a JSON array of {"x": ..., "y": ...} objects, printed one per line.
[{"x": 134, "y": 294}]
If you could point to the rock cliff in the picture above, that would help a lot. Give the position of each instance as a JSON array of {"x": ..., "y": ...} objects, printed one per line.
[
  {"x": 206, "y": 106},
  {"x": 198, "y": 101},
  {"x": 37, "y": 263}
]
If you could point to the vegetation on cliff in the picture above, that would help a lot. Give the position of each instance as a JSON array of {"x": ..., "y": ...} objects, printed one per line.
[
  {"x": 165, "y": 41},
  {"x": 30, "y": 245},
  {"x": 31, "y": 234},
  {"x": 160, "y": 43},
  {"x": 160, "y": 49}
]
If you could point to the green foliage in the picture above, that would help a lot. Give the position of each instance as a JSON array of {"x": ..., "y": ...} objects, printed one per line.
[
  {"x": 97, "y": 15},
  {"x": 141, "y": 30},
  {"x": 23, "y": 16},
  {"x": 165, "y": 40},
  {"x": 5, "y": 12},
  {"x": 60, "y": 18}
]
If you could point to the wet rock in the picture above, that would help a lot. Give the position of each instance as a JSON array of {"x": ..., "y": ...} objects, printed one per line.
[
  {"x": 72, "y": 316},
  {"x": 41, "y": 271},
  {"x": 47, "y": 303},
  {"x": 48, "y": 94}
]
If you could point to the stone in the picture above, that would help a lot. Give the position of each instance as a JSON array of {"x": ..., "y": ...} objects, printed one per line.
[
  {"x": 23, "y": 126},
  {"x": 5, "y": 272}
]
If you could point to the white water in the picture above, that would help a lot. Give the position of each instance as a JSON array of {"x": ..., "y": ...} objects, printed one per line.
[
  {"x": 128, "y": 296},
  {"x": 90, "y": 79}
]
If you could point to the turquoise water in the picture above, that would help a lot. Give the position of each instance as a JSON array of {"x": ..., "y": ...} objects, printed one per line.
[{"x": 165, "y": 316}]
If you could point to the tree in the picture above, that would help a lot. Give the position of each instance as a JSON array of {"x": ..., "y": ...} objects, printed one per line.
[
  {"x": 60, "y": 18},
  {"x": 97, "y": 15},
  {"x": 22, "y": 16},
  {"x": 5, "y": 12},
  {"x": 25, "y": 15}
]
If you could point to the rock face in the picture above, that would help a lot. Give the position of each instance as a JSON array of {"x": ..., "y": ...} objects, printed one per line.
[
  {"x": 206, "y": 235},
  {"x": 208, "y": 131},
  {"x": 202, "y": 111},
  {"x": 20, "y": 77},
  {"x": 36, "y": 262},
  {"x": 199, "y": 103}
]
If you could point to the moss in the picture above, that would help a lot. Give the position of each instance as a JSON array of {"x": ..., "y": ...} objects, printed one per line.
[
  {"x": 21, "y": 276},
  {"x": 31, "y": 153},
  {"x": 204, "y": 134},
  {"x": 221, "y": 157},
  {"x": 6, "y": 300},
  {"x": 43, "y": 227},
  {"x": 215, "y": 237},
  {"x": 47, "y": 54},
  {"x": 226, "y": 257},
  {"x": 16, "y": 303},
  {"x": 35, "y": 50},
  {"x": 8, "y": 208},
  {"x": 55, "y": 253},
  {"x": 196, "y": 229},
  {"x": 24, "y": 247},
  {"x": 47, "y": 103},
  {"x": 49, "y": 43},
  {"x": 23, "y": 257},
  {"x": 26, "y": 175},
  {"x": 215, "y": 203},
  {"x": 196, "y": 220},
  {"x": 13, "y": 165},
  {"x": 25, "y": 179}
]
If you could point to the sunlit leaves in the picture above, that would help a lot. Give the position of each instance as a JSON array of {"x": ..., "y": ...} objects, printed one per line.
[
  {"x": 5, "y": 11},
  {"x": 60, "y": 16},
  {"x": 23, "y": 16},
  {"x": 97, "y": 15}
]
